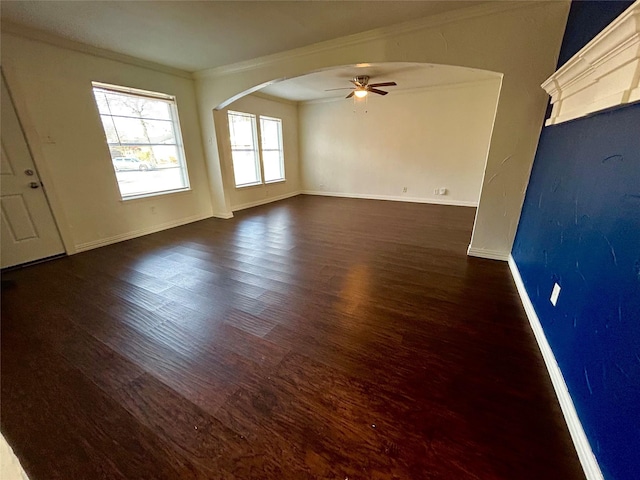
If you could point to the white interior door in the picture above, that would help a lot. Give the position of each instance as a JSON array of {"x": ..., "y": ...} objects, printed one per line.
[{"x": 28, "y": 230}]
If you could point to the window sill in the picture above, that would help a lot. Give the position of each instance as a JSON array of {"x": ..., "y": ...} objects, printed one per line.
[
  {"x": 247, "y": 185},
  {"x": 258, "y": 184},
  {"x": 144, "y": 196}
]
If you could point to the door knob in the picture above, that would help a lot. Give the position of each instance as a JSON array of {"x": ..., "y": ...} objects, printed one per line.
[{"x": 34, "y": 184}]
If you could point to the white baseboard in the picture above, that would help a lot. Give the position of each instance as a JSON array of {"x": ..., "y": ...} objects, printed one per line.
[
  {"x": 393, "y": 198},
  {"x": 585, "y": 454},
  {"x": 223, "y": 215},
  {"x": 485, "y": 253},
  {"x": 264, "y": 201},
  {"x": 81, "y": 247}
]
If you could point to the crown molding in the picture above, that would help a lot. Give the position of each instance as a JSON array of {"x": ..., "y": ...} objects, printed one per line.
[
  {"x": 50, "y": 39},
  {"x": 605, "y": 73},
  {"x": 432, "y": 21}
]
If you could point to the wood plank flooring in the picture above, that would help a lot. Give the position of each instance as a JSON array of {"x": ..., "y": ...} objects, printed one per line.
[{"x": 313, "y": 338}]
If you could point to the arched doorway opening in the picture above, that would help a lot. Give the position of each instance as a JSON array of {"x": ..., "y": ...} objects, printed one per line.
[{"x": 426, "y": 141}]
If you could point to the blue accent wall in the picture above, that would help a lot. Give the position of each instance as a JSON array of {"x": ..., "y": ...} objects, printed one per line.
[
  {"x": 586, "y": 20},
  {"x": 580, "y": 227}
]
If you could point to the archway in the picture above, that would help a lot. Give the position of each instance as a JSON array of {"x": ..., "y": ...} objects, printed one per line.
[
  {"x": 520, "y": 40},
  {"x": 426, "y": 142}
]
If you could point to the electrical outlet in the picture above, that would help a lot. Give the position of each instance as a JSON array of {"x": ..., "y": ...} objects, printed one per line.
[
  {"x": 404, "y": 189},
  {"x": 442, "y": 191},
  {"x": 555, "y": 293},
  {"x": 436, "y": 191}
]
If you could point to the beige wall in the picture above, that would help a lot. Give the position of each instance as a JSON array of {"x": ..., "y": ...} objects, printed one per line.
[
  {"x": 53, "y": 94},
  {"x": 521, "y": 40},
  {"x": 420, "y": 139},
  {"x": 245, "y": 197},
  {"x": 51, "y": 86}
]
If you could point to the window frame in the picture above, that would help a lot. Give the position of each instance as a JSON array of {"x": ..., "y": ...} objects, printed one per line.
[
  {"x": 175, "y": 129},
  {"x": 258, "y": 148},
  {"x": 280, "y": 149}
]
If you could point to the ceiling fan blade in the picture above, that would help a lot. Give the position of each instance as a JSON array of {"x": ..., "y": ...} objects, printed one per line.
[
  {"x": 344, "y": 88},
  {"x": 351, "y": 94},
  {"x": 379, "y": 92},
  {"x": 383, "y": 84}
]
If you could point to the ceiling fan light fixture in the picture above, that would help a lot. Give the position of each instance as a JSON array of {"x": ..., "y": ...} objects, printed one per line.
[{"x": 361, "y": 87}]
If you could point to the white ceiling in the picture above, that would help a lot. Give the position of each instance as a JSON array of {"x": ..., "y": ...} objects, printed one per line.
[
  {"x": 197, "y": 35},
  {"x": 407, "y": 75}
]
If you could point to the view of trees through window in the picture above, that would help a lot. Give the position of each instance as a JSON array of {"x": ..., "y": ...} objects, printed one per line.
[{"x": 144, "y": 140}]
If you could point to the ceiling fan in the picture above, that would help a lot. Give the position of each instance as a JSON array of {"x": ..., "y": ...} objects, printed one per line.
[{"x": 363, "y": 87}]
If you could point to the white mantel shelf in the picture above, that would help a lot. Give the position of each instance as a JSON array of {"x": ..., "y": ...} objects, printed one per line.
[{"x": 605, "y": 73}]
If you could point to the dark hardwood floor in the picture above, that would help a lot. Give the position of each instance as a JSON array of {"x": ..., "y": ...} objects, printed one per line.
[{"x": 313, "y": 338}]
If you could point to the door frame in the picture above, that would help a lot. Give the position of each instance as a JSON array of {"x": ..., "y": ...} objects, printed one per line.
[{"x": 35, "y": 144}]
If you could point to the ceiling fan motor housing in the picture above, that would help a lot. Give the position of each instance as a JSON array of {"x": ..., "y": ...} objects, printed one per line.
[{"x": 361, "y": 80}]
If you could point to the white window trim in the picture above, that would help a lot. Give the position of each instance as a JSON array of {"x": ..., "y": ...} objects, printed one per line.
[
  {"x": 175, "y": 121},
  {"x": 155, "y": 194},
  {"x": 280, "y": 150},
  {"x": 257, "y": 134},
  {"x": 256, "y": 148}
]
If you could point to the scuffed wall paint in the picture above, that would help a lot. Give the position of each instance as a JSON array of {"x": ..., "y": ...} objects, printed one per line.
[{"x": 580, "y": 228}]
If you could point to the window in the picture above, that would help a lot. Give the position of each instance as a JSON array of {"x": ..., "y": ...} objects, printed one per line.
[
  {"x": 244, "y": 151},
  {"x": 272, "y": 154},
  {"x": 253, "y": 165},
  {"x": 143, "y": 134}
]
